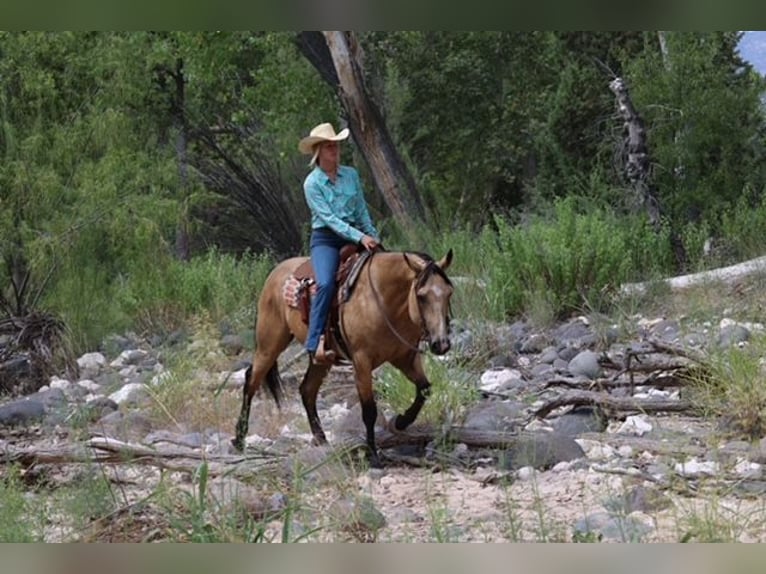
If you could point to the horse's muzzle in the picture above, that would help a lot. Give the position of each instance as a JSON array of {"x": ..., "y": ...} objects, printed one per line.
[{"x": 440, "y": 346}]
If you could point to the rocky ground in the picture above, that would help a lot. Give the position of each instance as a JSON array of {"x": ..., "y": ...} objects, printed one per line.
[{"x": 568, "y": 441}]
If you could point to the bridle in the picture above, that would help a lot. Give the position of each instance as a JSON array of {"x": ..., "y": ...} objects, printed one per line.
[{"x": 429, "y": 269}]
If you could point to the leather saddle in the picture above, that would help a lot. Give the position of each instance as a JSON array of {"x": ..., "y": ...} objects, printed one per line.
[{"x": 352, "y": 258}]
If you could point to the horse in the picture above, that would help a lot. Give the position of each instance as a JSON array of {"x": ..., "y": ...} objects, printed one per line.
[{"x": 399, "y": 299}]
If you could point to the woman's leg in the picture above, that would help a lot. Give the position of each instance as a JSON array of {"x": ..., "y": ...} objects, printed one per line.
[{"x": 325, "y": 258}]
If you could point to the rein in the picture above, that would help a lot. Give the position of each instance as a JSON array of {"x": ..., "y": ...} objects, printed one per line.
[{"x": 391, "y": 327}]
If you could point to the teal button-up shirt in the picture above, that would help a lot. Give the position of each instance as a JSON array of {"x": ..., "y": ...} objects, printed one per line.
[{"x": 340, "y": 205}]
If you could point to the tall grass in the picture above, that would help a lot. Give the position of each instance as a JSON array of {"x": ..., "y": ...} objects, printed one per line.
[
  {"x": 158, "y": 294},
  {"x": 561, "y": 262}
]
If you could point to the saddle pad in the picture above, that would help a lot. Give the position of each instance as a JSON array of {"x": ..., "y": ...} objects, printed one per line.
[{"x": 293, "y": 290}]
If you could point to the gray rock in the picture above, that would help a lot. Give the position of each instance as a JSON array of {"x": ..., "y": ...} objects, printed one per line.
[
  {"x": 585, "y": 364},
  {"x": 613, "y": 527},
  {"x": 560, "y": 365},
  {"x": 731, "y": 335},
  {"x": 668, "y": 330},
  {"x": 50, "y": 398},
  {"x": 638, "y": 498},
  {"x": 534, "y": 344},
  {"x": 99, "y": 407},
  {"x": 22, "y": 412},
  {"x": 358, "y": 517},
  {"x": 540, "y": 450},
  {"x": 232, "y": 344},
  {"x": 130, "y": 426},
  {"x": 541, "y": 371},
  {"x": 549, "y": 355},
  {"x": 581, "y": 420},
  {"x": 567, "y": 353},
  {"x": 494, "y": 416}
]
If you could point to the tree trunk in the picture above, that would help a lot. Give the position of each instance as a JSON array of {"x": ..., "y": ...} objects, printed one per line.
[
  {"x": 338, "y": 60},
  {"x": 637, "y": 156},
  {"x": 182, "y": 143}
]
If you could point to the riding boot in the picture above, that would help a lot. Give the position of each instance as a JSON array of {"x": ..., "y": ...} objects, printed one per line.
[{"x": 323, "y": 355}]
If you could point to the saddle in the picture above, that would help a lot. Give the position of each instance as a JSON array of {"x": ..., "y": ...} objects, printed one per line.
[{"x": 352, "y": 259}]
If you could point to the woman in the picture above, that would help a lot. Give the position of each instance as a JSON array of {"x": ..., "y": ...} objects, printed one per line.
[{"x": 339, "y": 216}]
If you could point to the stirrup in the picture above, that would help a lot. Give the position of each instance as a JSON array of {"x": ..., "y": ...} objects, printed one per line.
[{"x": 323, "y": 355}]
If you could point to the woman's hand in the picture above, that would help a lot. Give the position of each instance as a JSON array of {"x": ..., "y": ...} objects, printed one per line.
[{"x": 369, "y": 243}]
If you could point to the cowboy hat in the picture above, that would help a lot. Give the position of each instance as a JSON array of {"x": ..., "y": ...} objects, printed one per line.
[{"x": 321, "y": 133}]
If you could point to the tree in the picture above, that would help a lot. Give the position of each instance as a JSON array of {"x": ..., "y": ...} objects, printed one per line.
[{"x": 338, "y": 58}]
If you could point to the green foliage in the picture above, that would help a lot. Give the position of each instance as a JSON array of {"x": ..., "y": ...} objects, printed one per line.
[
  {"x": 571, "y": 259},
  {"x": 704, "y": 119},
  {"x": 16, "y": 511},
  {"x": 452, "y": 391},
  {"x": 733, "y": 389}
]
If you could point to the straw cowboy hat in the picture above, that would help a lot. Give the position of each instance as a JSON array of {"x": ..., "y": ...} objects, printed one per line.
[{"x": 321, "y": 133}]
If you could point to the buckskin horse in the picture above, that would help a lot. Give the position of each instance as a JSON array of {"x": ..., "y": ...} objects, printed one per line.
[{"x": 398, "y": 300}]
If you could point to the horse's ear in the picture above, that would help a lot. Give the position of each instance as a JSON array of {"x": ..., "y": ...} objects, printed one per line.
[
  {"x": 415, "y": 264},
  {"x": 445, "y": 261}
]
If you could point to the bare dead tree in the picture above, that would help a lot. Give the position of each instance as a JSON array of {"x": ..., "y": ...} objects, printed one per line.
[
  {"x": 259, "y": 208},
  {"x": 637, "y": 161}
]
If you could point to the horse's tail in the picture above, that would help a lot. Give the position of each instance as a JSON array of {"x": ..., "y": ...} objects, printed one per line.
[{"x": 273, "y": 381}]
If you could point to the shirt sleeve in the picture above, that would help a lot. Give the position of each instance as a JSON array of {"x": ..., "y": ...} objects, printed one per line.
[
  {"x": 362, "y": 215},
  {"x": 322, "y": 209}
]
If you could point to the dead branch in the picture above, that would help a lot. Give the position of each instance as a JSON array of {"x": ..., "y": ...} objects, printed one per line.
[
  {"x": 614, "y": 404},
  {"x": 112, "y": 451}
]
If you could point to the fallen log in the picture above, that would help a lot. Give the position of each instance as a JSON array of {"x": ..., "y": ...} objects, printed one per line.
[
  {"x": 111, "y": 451},
  {"x": 615, "y": 404}
]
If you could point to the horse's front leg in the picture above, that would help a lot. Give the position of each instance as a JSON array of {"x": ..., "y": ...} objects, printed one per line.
[
  {"x": 309, "y": 388},
  {"x": 412, "y": 368},
  {"x": 363, "y": 372}
]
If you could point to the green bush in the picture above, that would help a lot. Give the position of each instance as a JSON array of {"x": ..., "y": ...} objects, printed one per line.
[{"x": 568, "y": 260}]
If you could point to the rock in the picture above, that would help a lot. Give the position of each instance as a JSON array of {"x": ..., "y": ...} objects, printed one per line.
[
  {"x": 541, "y": 450},
  {"x": 232, "y": 497},
  {"x": 535, "y": 344},
  {"x": 130, "y": 426},
  {"x": 494, "y": 416},
  {"x": 585, "y": 364},
  {"x": 232, "y": 344},
  {"x": 22, "y": 412},
  {"x": 639, "y": 498},
  {"x": 696, "y": 469},
  {"x": 581, "y": 420},
  {"x": 548, "y": 355},
  {"x": 617, "y": 528},
  {"x": 497, "y": 380},
  {"x": 99, "y": 407},
  {"x": 131, "y": 393},
  {"x": 636, "y": 425},
  {"x": 666, "y": 329},
  {"x": 129, "y": 357},
  {"x": 90, "y": 364},
  {"x": 731, "y": 335},
  {"x": 358, "y": 517}
]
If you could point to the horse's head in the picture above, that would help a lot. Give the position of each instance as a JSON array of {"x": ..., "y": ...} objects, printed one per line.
[{"x": 429, "y": 300}]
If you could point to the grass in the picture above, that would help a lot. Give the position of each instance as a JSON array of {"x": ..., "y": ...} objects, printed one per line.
[{"x": 453, "y": 391}]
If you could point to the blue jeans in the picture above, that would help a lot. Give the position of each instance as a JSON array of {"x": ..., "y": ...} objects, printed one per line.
[{"x": 325, "y": 258}]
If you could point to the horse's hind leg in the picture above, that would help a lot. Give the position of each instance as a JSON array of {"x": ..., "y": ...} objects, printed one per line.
[
  {"x": 312, "y": 380},
  {"x": 412, "y": 367},
  {"x": 268, "y": 349}
]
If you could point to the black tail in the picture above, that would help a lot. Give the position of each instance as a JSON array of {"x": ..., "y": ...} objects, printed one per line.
[{"x": 273, "y": 381}]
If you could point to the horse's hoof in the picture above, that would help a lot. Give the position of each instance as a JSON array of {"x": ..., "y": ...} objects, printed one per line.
[
  {"x": 374, "y": 460},
  {"x": 239, "y": 445},
  {"x": 392, "y": 425}
]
